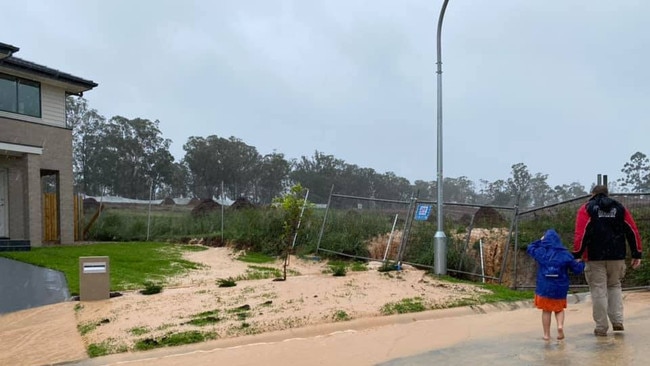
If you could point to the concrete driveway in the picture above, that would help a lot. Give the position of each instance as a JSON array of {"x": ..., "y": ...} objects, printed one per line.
[{"x": 24, "y": 286}]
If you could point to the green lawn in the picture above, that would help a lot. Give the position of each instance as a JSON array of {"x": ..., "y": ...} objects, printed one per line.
[{"x": 131, "y": 264}]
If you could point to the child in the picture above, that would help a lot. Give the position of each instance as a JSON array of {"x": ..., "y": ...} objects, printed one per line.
[{"x": 553, "y": 262}]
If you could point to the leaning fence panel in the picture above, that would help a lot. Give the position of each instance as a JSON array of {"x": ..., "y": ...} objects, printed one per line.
[{"x": 401, "y": 231}]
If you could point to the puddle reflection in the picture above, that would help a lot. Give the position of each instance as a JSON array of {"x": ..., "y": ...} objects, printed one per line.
[{"x": 526, "y": 349}]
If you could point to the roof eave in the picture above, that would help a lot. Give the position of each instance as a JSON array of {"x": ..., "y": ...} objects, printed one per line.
[
  {"x": 75, "y": 84},
  {"x": 6, "y": 50}
]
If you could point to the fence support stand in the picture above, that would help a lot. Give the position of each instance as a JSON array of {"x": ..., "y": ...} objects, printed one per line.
[
  {"x": 322, "y": 227},
  {"x": 390, "y": 237}
]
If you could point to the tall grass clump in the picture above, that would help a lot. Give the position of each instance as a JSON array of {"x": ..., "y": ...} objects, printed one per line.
[
  {"x": 348, "y": 231},
  {"x": 258, "y": 230}
]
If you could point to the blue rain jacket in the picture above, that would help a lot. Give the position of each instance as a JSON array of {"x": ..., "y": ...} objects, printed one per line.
[{"x": 553, "y": 264}]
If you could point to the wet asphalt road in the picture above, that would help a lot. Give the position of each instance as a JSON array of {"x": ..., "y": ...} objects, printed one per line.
[{"x": 24, "y": 286}]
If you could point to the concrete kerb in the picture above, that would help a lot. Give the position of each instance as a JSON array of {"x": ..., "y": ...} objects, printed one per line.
[{"x": 321, "y": 330}]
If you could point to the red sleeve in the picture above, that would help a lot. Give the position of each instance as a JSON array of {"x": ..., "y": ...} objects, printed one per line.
[
  {"x": 633, "y": 237},
  {"x": 582, "y": 220}
]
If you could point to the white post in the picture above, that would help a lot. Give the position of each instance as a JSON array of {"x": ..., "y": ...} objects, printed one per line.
[
  {"x": 222, "y": 211},
  {"x": 302, "y": 211},
  {"x": 390, "y": 237},
  {"x": 480, "y": 245},
  {"x": 149, "y": 213}
]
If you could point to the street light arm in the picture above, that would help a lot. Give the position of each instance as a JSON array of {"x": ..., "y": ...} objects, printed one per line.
[{"x": 439, "y": 43}]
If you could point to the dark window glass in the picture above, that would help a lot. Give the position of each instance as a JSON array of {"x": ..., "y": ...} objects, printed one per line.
[
  {"x": 29, "y": 98},
  {"x": 7, "y": 94},
  {"x": 20, "y": 96}
]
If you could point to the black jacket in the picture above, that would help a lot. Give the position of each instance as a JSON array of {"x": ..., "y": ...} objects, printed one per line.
[{"x": 603, "y": 226}]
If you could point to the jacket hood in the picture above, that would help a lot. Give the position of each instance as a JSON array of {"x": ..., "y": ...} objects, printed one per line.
[
  {"x": 601, "y": 201},
  {"x": 551, "y": 239}
]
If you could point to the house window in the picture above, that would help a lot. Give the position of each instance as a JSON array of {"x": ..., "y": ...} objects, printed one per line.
[{"x": 20, "y": 96}]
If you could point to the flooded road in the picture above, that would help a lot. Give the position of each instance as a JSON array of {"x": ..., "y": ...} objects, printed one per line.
[
  {"x": 24, "y": 286},
  {"x": 583, "y": 348},
  {"x": 503, "y": 334}
]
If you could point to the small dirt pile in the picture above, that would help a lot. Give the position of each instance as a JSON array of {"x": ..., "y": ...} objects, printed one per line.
[
  {"x": 207, "y": 206},
  {"x": 488, "y": 217},
  {"x": 242, "y": 203},
  {"x": 168, "y": 201}
]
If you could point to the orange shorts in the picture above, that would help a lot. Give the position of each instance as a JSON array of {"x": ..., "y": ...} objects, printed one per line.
[{"x": 546, "y": 304}]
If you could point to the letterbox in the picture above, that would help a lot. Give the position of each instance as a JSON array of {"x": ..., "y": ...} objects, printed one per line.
[{"x": 94, "y": 278}]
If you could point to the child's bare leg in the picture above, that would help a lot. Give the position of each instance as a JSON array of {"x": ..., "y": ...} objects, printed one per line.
[
  {"x": 559, "y": 319},
  {"x": 546, "y": 324}
]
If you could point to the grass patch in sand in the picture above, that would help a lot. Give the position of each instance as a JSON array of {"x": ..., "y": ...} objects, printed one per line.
[
  {"x": 241, "y": 312},
  {"x": 340, "y": 316},
  {"x": 85, "y": 328},
  {"x": 358, "y": 266},
  {"x": 174, "y": 339},
  {"x": 263, "y": 272},
  {"x": 502, "y": 293},
  {"x": 407, "y": 305},
  {"x": 259, "y": 273},
  {"x": 204, "y": 318},
  {"x": 151, "y": 288},
  {"x": 494, "y": 293},
  {"x": 258, "y": 258},
  {"x": 138, "y": 331},
  {"x": 226, "y": 282},
  {"x": 106, "y": 347},
  {"x": 129, "y": 262},
  {"x": 338, "y": 269}
]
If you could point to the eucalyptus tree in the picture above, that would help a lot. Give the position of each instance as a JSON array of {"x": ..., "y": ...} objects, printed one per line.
[
  {"x": 272, "y": 174},
  {"x": 213, "y": 161},
  {"x": 637, "y": 173},
  {"x": 567, "y": 192},
  {"x": 318, "y": 173},
  {"x": 86, "y": 125},
  {"x": 133, "y": 157}
]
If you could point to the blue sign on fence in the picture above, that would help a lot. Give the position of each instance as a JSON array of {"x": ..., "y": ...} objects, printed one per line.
[{"x": 422, "y": 212}]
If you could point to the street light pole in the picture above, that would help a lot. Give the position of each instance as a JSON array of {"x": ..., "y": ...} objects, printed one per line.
[{"x": 440, "y": 239}]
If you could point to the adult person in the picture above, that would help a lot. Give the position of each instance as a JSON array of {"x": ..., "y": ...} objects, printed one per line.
[{"x": 602, "y": 228}]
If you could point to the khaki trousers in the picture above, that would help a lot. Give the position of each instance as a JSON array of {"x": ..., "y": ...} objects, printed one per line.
[{"x": 604, "y": 279}]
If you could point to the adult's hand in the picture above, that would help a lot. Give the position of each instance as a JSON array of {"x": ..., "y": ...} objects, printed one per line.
[{"x": 636, "y": 263}]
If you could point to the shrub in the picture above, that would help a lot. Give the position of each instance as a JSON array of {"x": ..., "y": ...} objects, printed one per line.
[
  {"x": 339, "y": 269},
  {"x": 226, "y": 282},
  {"x": 387, "y": 266},
  {"x": 151, "y": 288}
]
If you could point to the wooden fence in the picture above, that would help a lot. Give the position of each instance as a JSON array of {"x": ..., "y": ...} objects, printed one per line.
[
  {"x": 78, "y": 217},
  {"x": 51, "y": 218}
]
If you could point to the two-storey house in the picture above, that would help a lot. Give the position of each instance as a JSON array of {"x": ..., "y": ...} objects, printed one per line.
[{"x": 35, "y": 150}]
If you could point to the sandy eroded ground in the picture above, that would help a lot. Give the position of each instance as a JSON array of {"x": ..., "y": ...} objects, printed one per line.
[
  {"x": 195, "y": 303},
  {"x": 308, "y": 297}
]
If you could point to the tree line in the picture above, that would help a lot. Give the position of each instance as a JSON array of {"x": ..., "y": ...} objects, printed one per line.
[{"x": 131, "y": 158}]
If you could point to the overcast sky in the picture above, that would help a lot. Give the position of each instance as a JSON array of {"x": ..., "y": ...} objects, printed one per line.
[{"x": 562, "y": 86}]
